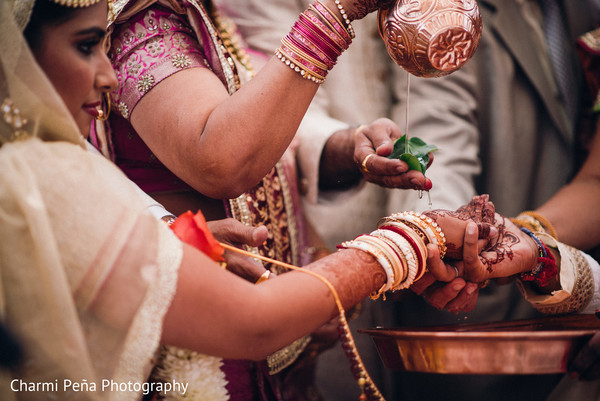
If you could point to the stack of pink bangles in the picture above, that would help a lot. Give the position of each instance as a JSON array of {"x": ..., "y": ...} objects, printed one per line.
[{"x": 315, "y": 42}]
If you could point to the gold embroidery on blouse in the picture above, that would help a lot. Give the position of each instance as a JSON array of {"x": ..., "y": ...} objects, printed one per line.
[
  {"x": 145, "y": 82},
  {"x": 124, "y": 110},
  {"x": 181, "y": 61}
]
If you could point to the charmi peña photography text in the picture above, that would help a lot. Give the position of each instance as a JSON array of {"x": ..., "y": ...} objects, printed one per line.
[{"x": 66, "y": 385}]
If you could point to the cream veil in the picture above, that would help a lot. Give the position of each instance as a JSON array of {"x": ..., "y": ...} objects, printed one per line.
[{"x": 86, "y": 273}]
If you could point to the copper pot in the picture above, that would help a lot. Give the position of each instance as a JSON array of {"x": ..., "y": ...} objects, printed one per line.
[{"x": 431, "y": 38}]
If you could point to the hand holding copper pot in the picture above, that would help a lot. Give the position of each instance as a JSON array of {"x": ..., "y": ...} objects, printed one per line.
[{"x": 430, "y": 38}]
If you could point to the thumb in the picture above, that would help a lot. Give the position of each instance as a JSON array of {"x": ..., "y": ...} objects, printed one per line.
[
  {"x": 234, "y": 232},
  {"x": 259, "y": 235}
]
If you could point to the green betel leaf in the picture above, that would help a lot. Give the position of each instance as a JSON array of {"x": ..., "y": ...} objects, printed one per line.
[
  {"x": 413, "y": 162},
  {"x": 417, "y": 156}
]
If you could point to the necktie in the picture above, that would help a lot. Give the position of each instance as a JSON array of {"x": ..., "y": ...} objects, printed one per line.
[{"x": 561, "y": 50}]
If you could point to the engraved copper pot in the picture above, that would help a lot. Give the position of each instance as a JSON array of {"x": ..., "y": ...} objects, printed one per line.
[{"x": 431, "y": 38}]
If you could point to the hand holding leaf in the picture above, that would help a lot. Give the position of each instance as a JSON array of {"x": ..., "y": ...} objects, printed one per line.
[{"x": 414, "y": 152}]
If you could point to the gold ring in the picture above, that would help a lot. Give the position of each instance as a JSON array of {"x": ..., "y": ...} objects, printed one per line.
[
  {"x": 264, "y": 277},
  {"x": 364, "y": 162},
  {"x": 456, "y": 269}
]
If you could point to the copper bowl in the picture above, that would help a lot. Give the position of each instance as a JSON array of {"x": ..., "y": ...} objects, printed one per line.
[
  {"x": 540, "y": 346},
  {"x": 431, "y": 38}
]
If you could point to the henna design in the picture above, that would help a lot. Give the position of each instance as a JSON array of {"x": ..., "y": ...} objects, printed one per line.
[
  {"x": 480, "y": 210},
  {"x": 502, "y": 247},
  {"x": 359, "y": 10}
]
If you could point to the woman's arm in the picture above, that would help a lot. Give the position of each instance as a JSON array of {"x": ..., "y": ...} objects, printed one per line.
[
  {"x": 217, "y": 313},
  {"x": 220, "y": 144},
  {"x": 215, "y": 138}
]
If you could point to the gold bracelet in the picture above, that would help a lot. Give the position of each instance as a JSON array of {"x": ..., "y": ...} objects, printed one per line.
[
  {"x": 298, "y": 68},
  {"x": 430, "y": 228},
  {"x": 535, "y": 222}
]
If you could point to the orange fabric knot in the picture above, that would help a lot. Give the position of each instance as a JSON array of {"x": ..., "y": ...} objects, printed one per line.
[{"x": 193, "y": 230}]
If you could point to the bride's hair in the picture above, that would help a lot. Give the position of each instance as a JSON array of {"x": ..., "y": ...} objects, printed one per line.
[{"x": 45, "y": 13}]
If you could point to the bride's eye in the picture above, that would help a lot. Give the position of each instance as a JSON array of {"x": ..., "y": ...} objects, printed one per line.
[
  {"x": 87, "y": 40},
  {"x": 87, "y": 46}
]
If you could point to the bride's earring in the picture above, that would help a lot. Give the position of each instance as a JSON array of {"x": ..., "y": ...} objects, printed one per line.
[{"x": 103, "y": 115}]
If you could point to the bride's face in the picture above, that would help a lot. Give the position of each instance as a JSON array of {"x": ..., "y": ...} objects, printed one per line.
[{"x": 72, "y": 56}]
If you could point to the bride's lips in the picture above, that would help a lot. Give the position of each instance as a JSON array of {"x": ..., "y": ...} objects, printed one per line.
[{"x": 92, "y": 108}]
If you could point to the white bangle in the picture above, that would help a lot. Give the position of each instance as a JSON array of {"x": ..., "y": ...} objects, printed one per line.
[
  {"x": 402, "y": 268},
  {"x": 388, "y": 253},
  {"x": 379, "y": 257},
  {"x": 410, "y": 255},
  {"x": 419, "y": 243}
]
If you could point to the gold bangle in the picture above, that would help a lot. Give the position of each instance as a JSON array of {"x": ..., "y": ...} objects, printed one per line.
[
  {"x": 302, "y": 62},
  {"x": 426, "y": 224},
  {"x": 543, "y": 222},
  {"x": 331, "y": 23},
  {"x": 301, "y": 53},
  {"x": 417, "y": 237}
]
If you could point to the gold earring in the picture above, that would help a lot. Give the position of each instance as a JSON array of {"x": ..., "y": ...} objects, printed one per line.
[{"x": 102, "y": 115}]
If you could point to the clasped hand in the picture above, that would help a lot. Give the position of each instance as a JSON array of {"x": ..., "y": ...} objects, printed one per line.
[
  {"x": 492, "y": 247},
  {"x": 482, "y": 245}
]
